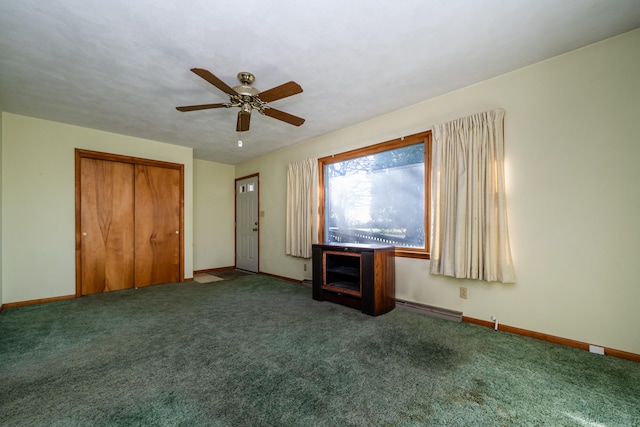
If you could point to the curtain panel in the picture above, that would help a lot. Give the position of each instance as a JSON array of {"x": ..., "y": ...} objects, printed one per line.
[
  {"x": 469, "y": 213},
  {"x": 301, "y": 178}
]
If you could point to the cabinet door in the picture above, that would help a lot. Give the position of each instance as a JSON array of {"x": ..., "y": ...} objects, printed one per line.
[
  {"x": 157, "y": 225},
  {"x": 106, "y": 226}
]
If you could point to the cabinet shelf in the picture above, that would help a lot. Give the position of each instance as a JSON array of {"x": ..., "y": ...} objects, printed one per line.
[
  {"x": 343, "y": 288},
  {"x": 346, "y": 271}
]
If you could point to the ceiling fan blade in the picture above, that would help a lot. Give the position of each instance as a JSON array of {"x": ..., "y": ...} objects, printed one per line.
[
  {"x": 279, "y": 92},
  {"x": 243, "y": 121},
  {"x": 200, "y": 107},
  {"x": 208, "y": 76},
  {"x": 285, "y": 117}
]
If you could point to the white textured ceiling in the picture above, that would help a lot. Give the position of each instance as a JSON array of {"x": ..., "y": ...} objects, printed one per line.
[{"x": 123, "y": 65}]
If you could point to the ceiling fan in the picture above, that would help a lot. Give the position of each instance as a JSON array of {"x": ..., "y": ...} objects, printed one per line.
[{"x": 248, "y": 98}]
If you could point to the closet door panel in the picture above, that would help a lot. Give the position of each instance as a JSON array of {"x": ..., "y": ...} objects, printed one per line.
[
  {"x": 106, "y": 225},
  {"x": 157, "y": 225}
]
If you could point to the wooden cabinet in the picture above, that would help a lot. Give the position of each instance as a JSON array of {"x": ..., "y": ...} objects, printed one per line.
[
  {"x": 356, "y": 275},
  {"x": 129, "y": 222}
]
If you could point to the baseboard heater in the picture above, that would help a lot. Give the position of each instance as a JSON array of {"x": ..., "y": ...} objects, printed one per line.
[{"x": 430, "y": 310}]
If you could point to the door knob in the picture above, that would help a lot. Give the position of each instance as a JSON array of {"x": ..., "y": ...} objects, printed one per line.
[
  {"x": 177, "y": 231},
  {"x": 255, "y": 229},
  {"x": 84, "y": 234}
]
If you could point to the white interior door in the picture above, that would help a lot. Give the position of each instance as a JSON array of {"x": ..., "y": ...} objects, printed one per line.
[{"x": 247, "y": 227}]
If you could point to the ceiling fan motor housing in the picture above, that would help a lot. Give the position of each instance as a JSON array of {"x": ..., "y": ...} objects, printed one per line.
[{"x": 245, "y": 90}]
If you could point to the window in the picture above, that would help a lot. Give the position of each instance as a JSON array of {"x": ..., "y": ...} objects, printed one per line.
[
  {"x": 244, "y": 188},
  {"x": 378, "y": 194}
]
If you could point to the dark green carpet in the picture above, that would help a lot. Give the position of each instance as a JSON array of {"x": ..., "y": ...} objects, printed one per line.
[{"x": 257, "y": 351}]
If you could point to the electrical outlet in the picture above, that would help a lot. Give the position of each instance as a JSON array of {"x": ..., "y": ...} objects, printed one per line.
[{"x": 463, "y": 292}]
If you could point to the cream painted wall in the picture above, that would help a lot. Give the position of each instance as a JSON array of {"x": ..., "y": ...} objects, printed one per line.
[
  {"x": 39, "y": 201},
  {"x": 213, "y": 215},
  {"x": 573, "y": 196}
]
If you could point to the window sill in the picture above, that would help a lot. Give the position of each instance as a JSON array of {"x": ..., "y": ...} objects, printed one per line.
[{"x": 407, "y": 253}]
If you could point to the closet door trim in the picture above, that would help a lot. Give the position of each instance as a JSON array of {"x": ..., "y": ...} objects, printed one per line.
[{"x": 81, "y": 153}]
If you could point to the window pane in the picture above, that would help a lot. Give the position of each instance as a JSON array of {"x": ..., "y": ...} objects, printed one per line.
[{"x": 377, "y": 198}]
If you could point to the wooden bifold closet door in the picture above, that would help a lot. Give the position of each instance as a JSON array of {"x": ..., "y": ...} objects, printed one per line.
[
  {"x": 157, "y": 224},
  {"x": 128, "y": 222},
  {"x": 107, "y": 226}
]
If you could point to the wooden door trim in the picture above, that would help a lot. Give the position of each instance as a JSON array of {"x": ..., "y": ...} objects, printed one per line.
[
  {"x": 80, "y": 154},
  {"x": 235, "y": 216}
]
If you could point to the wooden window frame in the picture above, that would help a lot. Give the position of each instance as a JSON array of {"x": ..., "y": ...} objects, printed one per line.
[{"x": 422, "y": 137}]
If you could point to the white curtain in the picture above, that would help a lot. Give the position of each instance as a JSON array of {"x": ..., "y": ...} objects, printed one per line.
[
  {"x": 302, "y": 176},
  {"x": 469, "y": 236}
]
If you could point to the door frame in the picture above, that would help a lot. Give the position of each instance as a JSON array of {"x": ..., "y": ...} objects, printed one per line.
[
  {"x": 235, "y": 216},
  {"x": 97, "y": 155}
]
